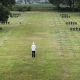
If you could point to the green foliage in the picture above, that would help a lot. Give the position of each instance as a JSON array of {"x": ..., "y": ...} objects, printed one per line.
[
  {"x": 24, "y": 8},
  {"x": 31, "y": 7},
  {"x": 77, "y": 4},
  {"x": 56, "y": 2},
  {"x": 4, "y": 12},
  {"x": 7, "y": 3},
  {"x": 4, "y": 9},
  {"x": 71, "y": 3}
]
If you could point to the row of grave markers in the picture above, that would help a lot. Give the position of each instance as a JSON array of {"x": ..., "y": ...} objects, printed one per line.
[
  {"x": 64, "y": 15},
  {"x": 15, "y": 15},
  {"x": 9, "y": 23},
  {"x": 71, "y": 23},
  {"x": 66, "y": 40},
  {"x": 5, "y": 23},
  {"x": 75, "y": 29}
]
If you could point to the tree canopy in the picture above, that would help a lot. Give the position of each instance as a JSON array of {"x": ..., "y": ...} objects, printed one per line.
[
  {"x": 70, "y": 3},
  {"x": 55, "y": 2},
  {"x": 4, "y": 9}
]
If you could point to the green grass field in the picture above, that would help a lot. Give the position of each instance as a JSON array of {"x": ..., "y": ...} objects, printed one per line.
[{"x": 58, "y": 48}]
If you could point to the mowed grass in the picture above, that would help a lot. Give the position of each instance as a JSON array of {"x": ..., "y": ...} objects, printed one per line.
[{"x": 58, "y": 48}]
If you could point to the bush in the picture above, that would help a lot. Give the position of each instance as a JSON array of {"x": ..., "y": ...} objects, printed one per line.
[
  {"x": 29, "y": 8},
  {"x": 22, "y": 8}
]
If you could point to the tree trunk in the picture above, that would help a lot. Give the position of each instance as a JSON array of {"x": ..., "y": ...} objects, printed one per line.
[{"x": 73, "y": 5}]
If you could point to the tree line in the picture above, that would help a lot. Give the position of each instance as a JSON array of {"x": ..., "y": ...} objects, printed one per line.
[
  {"x": 71, "y": 3},
  {"x": 5, "y": 5}
]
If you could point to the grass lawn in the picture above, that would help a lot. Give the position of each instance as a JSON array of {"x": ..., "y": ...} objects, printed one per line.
[{"x": 58, "y": 48}]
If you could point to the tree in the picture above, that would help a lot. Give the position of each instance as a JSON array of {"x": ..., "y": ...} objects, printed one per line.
[
  {"x": 51, "y": 1},
  {"x": 28, "y": 1},
  {"x": 4, "y": 9},
  {"x": 4, "y": 12},
  {"x": 7, "y": 3},
  {"x": 77, "y": 4},
  {"x": 25, "y": 1},
  {"x": 66, "y": 2},
  {"x": 56, "y": 2}
]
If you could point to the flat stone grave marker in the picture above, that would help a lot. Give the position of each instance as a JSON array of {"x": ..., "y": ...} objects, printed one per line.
[
  {"x": 76, "y": 41},
  {"x": 62, "y": 54},
  {"x": 70, "y": 48},
  {"x": 73, "y": 55},
  {"x": 59, "y": 41},
  {"x": 60, "y": 48},
  {"x": 4, "y": 41},
  {"x": 66, "y": 72},
  {"x": 67, "y": 41}
]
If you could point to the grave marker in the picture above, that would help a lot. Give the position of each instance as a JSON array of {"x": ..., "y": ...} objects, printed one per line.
[
  {"x": 66, "y": 72},
  {"x": 76, "y": 29},
  {"x": 62, "y": 54},
  {"x": 60, "y": 48},
  {"x": 71, "y": 29},
  {"x": 8, "y": 22},
  {"x": 0, "y": 28},
  {"x": 70, "y": 48}
]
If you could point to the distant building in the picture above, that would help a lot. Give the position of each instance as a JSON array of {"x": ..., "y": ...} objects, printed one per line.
[
  {"x": 31, "y": 1},
  {"x": 19, "y": 1}
]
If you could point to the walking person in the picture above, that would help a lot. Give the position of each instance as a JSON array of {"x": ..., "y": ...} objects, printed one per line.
[{"x": 33, "y": 48}]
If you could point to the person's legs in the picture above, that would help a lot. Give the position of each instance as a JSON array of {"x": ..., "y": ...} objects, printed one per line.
[{"x": 32, "y": 53}]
